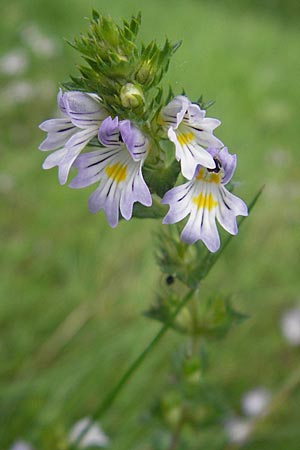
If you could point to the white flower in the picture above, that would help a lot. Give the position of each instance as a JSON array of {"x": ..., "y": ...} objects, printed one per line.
[
  {"x": 94, "y": 437},
  {"x": 83, "y": 115},
  {"x": 255, "y": 401},
  {"x": 20, "y": 445},
  {"x": 13, "y": 63},
  {"x": 206, "y": 199},
  {"x": 118, "y": 169},
  {"x": 38, "y": 42},
  {"x": 238, "y": 430},
  {"x": 191, "y": 132},
  {"x": 290, "y": 326}
]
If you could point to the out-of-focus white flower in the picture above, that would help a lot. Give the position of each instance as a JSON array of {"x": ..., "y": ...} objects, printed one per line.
[
  {"x": 17, "y": 92},
  {"x": 237, "y": 430},
  {"x": 290, "y": 326},
  {"x": 93, "y": 437},
  {"x": 14, "y": 63},
  {"x": 255, "y": 401},
  {"x": 38, "y": 42},
  {"x": 20, "y": 445}
]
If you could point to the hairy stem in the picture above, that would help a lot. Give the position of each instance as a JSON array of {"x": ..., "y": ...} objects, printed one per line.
[
  {"x": 175, "y": 438},
  {"x": 111, "y": 396}
]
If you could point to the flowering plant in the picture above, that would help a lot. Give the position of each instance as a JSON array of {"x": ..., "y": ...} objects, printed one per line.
[{"x": 145, "y": 149}]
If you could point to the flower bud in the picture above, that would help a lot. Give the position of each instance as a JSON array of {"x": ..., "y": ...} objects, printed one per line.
[
  {"x": 145, "y": 74},
  {"x": 171, "y": 409},
  {"x": 131, "y": 96},
  {"x": 192, "y": 370},
  {"x": 184, "y": 320}
]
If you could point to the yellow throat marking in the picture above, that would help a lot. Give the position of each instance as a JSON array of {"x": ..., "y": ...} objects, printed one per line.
[
  {"x": 117, "y": 172},
  {"x": 205, "y": 201},
  {"x": 209, "y": 177},
  {"x": 185, "y": 138}
]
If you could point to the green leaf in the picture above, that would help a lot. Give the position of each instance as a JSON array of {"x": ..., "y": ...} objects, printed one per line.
[
  {"x": 161, "y": 179},
  {"x": 95, "y": 15},
  {"x": 216, "y": 316},
  {"x": 156, "y": 211}
]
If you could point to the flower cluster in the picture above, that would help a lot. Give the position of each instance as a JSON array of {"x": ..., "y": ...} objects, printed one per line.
[
  {"x": 120, "y": 150},
  {"x": 116, "y": 109}
]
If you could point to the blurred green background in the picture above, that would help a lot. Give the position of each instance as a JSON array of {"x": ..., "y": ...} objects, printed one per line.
[{"x": 72, "y": 290}]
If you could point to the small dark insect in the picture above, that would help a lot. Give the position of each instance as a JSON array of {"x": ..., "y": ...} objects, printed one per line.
[
  {"x": 170, "y": 279},
  {"x": 217, "y": 168}
]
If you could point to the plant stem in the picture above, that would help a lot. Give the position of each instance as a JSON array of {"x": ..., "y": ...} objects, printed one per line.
[
  {"x": 175, "y": 438},
  {"x": 111, "y": 396}
]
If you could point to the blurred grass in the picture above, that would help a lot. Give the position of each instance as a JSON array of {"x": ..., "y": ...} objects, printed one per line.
[{"x": 72, "y": 290}]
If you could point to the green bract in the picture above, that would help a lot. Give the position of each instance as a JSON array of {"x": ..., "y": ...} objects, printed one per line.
[{"x": 114, "y": 62}]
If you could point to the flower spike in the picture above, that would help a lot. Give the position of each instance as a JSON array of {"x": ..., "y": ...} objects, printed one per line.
[
  {"x": 69, "y": 135},
  {"x": 191, "y": 132},
  {"x": 118, "y": 169},
  {"x": 206, "y": 199}
]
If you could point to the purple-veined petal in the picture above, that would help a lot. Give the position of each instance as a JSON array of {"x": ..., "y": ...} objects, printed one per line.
[
  {"x": 206, "y": 139},
  {"x": 209, "y": 233},
  {"x": 55, "y": 158},
  {"x": 109, "y": 134},
  {"x": 226, "y": 218},
  {"x": 84, "y": 110},
  {"x": 228, "y": 162},
  {"x": 189, "y": 153},
  {"x": 135, "y": 141},
  {"x": 195, "y": 118},
  {"x": 234, "y": 203},
  {"x": 194, "y": 114},
  {"x": 121, "y": 183},
  {"x": 62, "y": 158},
  {"x": 205, "y": 199},
  {"x": 172, "y": 114},
  {"x": 112, "y": 204},
  {"x": 59, "y": 132},
  {"x": 191, "y": 232},
  {"x": 65, "y": 157},
  {"x": 106, "y": 197},
  {"x": 201, "y": 224},
  {"x": 60, "y": 102},
  {"x": 91, "y": 166},
  {"x": 80, "y": 139},
  {"x": 191, "y": 132},
  {"x": 97, "y": 199},
  {"x": 136, "y": 190},
  {"x": 179, "y": 200},
  {"x": 142, "y": 193}
]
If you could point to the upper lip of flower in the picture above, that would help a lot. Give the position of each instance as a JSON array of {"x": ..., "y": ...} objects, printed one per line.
[
  {"x": 191, "y": 132},
  {"x": 83, "y": 114}
]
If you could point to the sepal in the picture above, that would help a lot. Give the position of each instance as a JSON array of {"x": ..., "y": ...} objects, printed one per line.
[
  {"x": 161, "y": 178},
  {"x": 157, "y": 210}
]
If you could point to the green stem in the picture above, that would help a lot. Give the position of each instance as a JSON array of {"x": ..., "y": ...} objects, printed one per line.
[
  {"x": 111, "y": 396},
  {"x": 175, "y": 437}
]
